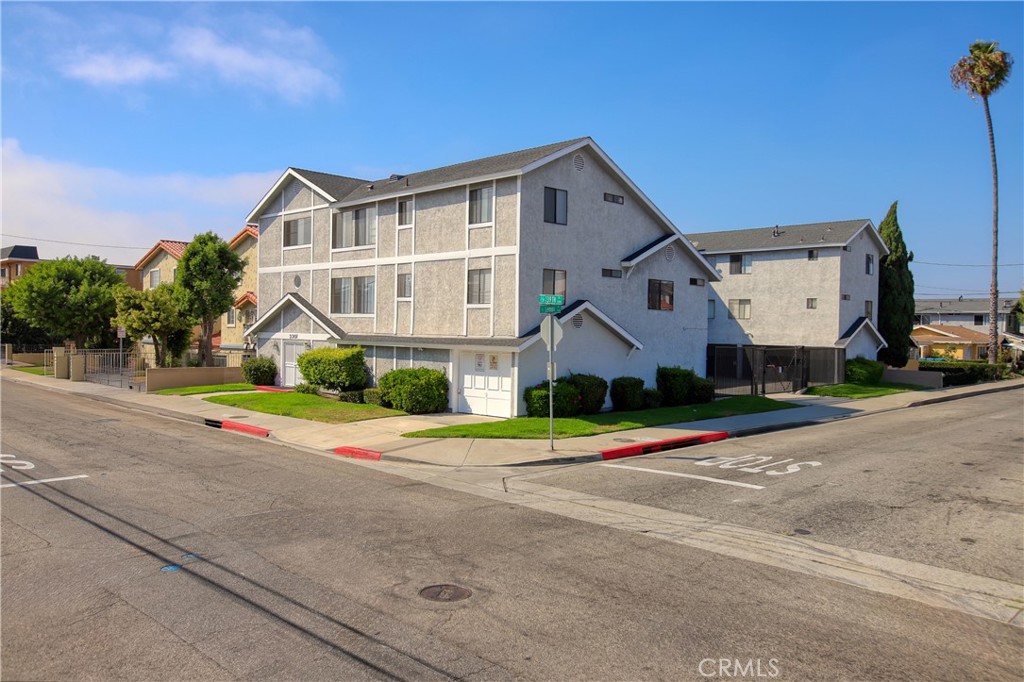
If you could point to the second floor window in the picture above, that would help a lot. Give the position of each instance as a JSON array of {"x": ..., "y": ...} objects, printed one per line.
[
  {"x": 869, "y": 309},
  {"x": 154, "y": 279},
  {"x": 554, "y": 282},
  {"x": 297, "y": 232},
  {"x": 660, "y": 294},
  {"x": 404, "y": 289},
  {"x": 812, "y": 304},
  {"x": 481, "y": 204},
  {"x": 739, "y": 264},
  {"x": 353, "y": 228},
  {"x": 250, "y": 316},
  {"x": 556, "y": 206},
  {"x": 812, "y": 254},
  {"x": 979, "y": 320},
  {"x": 405, "y": 208},
  {"x": 478, "y": 287},
  {"x": 231, "y": 317},
  {"x": 352, "y": 295},
  {"x": 739, "y": 308},
  {"x": 869, "y": 264}
]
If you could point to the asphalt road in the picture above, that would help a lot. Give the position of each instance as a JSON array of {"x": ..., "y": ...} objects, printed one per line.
[{"x": 287, "y": 564}]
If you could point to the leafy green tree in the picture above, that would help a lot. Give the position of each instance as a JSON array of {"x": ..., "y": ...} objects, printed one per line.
[
  {"x": 982, "y": 72},
  {"x": 69, "y": 298},
  {"x": 16, "y": 331},
  {"x": 895, "y": 293},
  {"x": 155, "y": 313},
  {"x": 208, "y": 274}
]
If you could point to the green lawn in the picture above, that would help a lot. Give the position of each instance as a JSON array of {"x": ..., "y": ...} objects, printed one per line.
[
  {"x": 213, "y": 388},
  {"x": 304, "y": 406},
  {"x": 858, "y": 391},
  {"x": 606, "y": 422},
  {"x": 41, "y": 371}
]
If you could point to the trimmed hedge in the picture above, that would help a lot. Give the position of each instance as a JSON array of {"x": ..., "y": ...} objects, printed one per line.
[
  {"x": 652, "y": 398},
  {"x": 864, "y": 372},
  {"x": 961, "y": 373},
  {"x": 309, "y": 389},
  {"x": 703, "y": 390},
  {"x": 628, "y": 394},
  {"x": 593, "y": 390},
  {"x": 683, "y": 387},
  {"x": 350, "y": 396},
  {"x": 336, "y": 369},
  {"x": 567, "y": 400},
  {"x": 372, "y": 396},
  {"x": 259, "y": 371},
  {"x": 417, "y": 390}
]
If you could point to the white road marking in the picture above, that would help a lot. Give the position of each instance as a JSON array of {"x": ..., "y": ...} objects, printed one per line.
[
  {"x": 42, "y": 480},
  {"x": 738, "y": 484}
]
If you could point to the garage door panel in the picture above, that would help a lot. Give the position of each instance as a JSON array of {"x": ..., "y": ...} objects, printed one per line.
[{"x": 486, "y": 384}]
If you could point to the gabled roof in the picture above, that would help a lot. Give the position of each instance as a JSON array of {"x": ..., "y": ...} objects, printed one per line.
[
  {"x": 247, "y": 297},
  {"x": 780, "y": 237},
  {"x": 947, "y": 333},
  {"x": 533, "y": 336},
  {"x": 302, "y": 304},
  {"x": 959, "y": 306},
  {"x": 249, "y": 230},
  {"x": 175, "y": 249},
  {"x": 477, "y": 170},
  {"x": 19, "y": 252},
  {"x": 334, "y": 187},
  {"x": 858, "y": 325}
]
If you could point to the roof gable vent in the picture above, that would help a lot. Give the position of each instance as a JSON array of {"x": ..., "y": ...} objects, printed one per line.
[
  {"x": 579, "y": 162},
  {"x": 670, "y": 252}
]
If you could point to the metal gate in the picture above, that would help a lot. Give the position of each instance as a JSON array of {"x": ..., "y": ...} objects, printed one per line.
[{"x": 760, "y": 370}]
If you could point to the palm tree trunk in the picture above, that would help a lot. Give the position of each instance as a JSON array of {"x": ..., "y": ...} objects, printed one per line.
[{"x": 993, "y": 304}]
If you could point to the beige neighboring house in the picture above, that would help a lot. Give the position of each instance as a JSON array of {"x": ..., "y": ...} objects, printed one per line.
[
  {"x": 234, "y": 322},
  {"x": 158, "y": 266}
]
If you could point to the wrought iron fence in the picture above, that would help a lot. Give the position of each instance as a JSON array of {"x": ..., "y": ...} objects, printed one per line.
[{"x": 759, "y": 370}]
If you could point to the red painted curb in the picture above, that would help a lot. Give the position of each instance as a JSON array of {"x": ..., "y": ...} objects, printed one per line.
[
  {"x": 659, "y": 445},
  {"x": 245, "y": 428},
  {"x": 357, "y": 453},
  {"x": 274, "y": 389}
]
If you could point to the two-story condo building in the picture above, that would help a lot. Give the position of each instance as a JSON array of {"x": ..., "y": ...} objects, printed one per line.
[
  {"x": 813, "y": 285},
  {"x": 242, "y": 314},
  {"x": 442, "y": 268}
]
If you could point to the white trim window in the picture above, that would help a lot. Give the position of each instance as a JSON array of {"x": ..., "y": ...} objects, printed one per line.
[
  {"x": 352, "y": 295},
  {"x": 740, "y": 264},
  {"x": 298, "y": 232},
  {"x": 406, "y": 212},
  {"x": 554, "y": 282},
  {"x": 154, "y": 278},
  {"x": 481, "y": 204},
  {"x": 556, "y": 206},
  {"x": 869, "y": 264},
  {"x": 404, "y": 286},
  {"x": 739, "y": 308},
  {"x": 478, "y": 287},
  {"x": 357, "y": 227},
  {"x": 230, "y": 322}
]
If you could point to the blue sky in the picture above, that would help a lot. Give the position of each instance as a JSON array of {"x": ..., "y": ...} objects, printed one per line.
[{"x": 124, "y": 123}]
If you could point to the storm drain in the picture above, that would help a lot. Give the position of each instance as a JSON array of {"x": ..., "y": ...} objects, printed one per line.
[{"x": 445, "y": 593}]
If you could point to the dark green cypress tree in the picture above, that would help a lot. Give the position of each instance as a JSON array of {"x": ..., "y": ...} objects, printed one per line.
[{"x": 895, "y": 293}]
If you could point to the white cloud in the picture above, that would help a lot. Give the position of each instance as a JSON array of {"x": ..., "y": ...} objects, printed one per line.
[
  {"x": 114, "y": 69},
  {"x": 63, "y": 202}
]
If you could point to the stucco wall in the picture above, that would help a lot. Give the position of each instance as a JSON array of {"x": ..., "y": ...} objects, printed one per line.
[
  {"x": 165, "y": 263},
  {"x": 439, "y": 294},
  {"x": 160, "y": 378},
  {"x": 441, "y": 221},
  {"x": 855, "y": 282}
]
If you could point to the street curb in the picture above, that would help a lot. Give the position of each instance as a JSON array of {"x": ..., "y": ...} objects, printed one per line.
[
  {"x": 274, "y": 389},
  {"x": 629, "y": 450},
  {"x": 947, "y": 398},
  {"x": 358, "y": 453},
  {"x": 245, "y": 428}
]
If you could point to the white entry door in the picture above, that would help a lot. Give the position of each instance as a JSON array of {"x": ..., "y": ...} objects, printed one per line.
[
  {"x": 486, "y": 384},
  {"x": 290, "y": 374}
]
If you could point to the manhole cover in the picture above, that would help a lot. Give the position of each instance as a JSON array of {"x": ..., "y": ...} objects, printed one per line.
[{"x": 445, "y": 593}]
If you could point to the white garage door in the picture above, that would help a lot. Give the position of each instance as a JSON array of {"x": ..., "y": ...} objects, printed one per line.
[{"x": 486, "y": 384}]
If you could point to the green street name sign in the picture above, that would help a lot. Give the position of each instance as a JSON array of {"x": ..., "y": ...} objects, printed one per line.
[
  {"x": 549, "y": 309},
  {"x": 551, "y": 299}
]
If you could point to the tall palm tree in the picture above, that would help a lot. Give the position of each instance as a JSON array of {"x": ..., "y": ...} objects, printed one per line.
[{"x": 981, "y": 73}]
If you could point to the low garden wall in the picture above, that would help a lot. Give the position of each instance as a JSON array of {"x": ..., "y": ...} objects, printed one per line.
[
  {"x": 159, "y": 378},
  {"x": 29, "y": 358},
  {"x": 906, "y": 376}
]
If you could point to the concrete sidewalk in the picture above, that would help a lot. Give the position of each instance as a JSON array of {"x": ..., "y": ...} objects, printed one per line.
[{"x": 382, "y": 438}]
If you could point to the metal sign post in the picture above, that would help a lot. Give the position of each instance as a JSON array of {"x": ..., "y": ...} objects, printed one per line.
[{"x": 551, "y": 334}]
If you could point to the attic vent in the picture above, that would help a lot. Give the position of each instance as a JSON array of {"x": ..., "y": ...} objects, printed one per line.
[
  {"x": 577, "y": 321},
  {"x": 394, "y": 177},
  {"x": 578, "y": 163},
  {"x": 670, "y": 252},
  {"x": 297, "y": 281}
]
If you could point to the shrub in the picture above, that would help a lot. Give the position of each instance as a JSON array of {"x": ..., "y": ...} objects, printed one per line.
[
  {"x": 628, "y": 394},
  {"x": 652, "y": 398},
  {"x": 676, "y": 385},
  {"x": 350, "y": 396},
  {"x": 309, "y": 389},
  {"x": 703, "y": 390},
  {"x": 418, "y": 390},
  {"x": 864, "y": 372},
  {"x": 336, "y": 369},
  {"x": 372, "y": 396},
  {"x": 961, "y": 373},
  {"x": 593, "y": 390},
  {"x": 567, "y": 400},
  {"x": 259, "y": 371}
]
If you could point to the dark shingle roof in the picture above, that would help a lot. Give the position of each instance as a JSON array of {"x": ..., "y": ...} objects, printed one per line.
[
  {"x": 664, "y": 239},
  {"x": 790, "y": 236},
  {"x": 490, "y": 165},
  {"x": 338, "y": 186},
  {"x": 957, "y": 306},
  {"x": 19, "y": 252}
]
